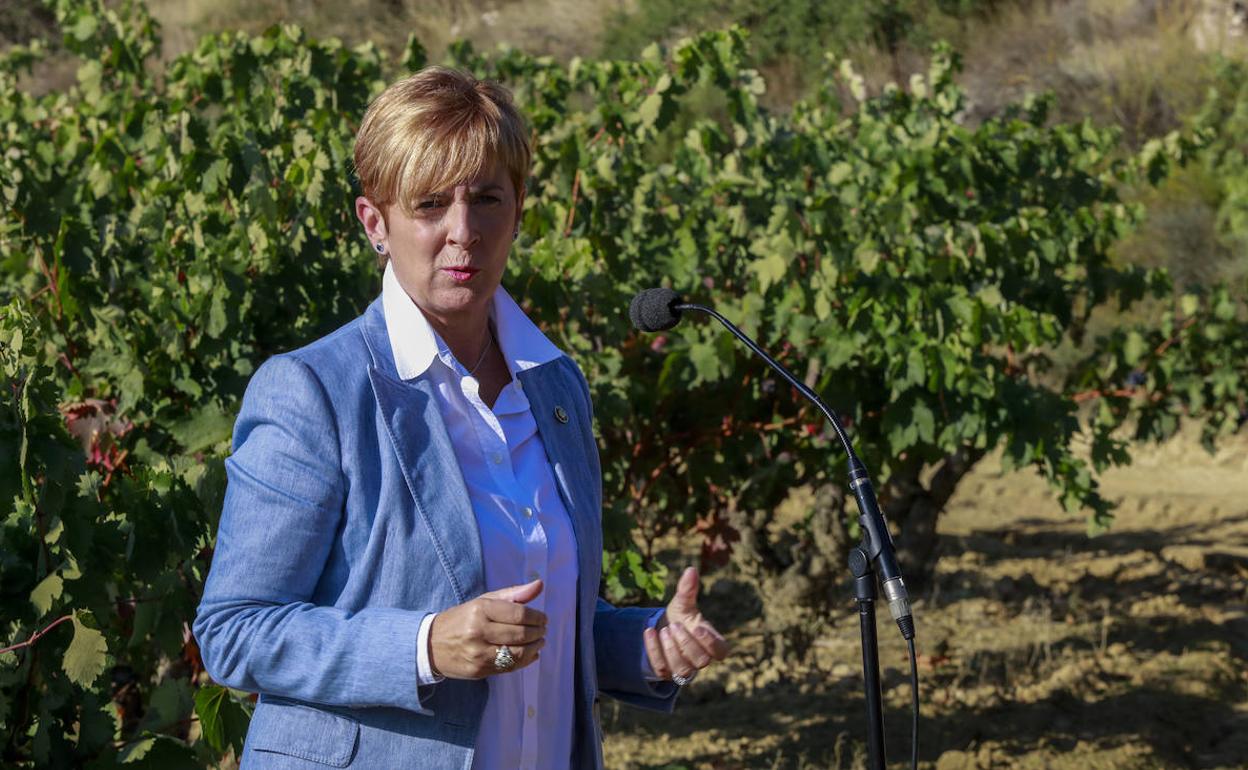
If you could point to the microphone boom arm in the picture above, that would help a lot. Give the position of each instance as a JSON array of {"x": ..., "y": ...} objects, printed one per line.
[
  {"x": 785, "y": 373},
  {"x": 877, "y": 542}
]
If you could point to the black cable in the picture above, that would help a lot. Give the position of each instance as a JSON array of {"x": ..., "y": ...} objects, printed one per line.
[{"x": 914, "y": 697}]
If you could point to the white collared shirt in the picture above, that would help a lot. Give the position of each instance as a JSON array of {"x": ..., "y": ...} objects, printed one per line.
[{"x": 525, "y": 529}]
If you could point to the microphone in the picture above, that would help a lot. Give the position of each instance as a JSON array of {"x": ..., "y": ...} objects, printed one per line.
[
  {"x": 658, "y": 309},
  {"x": 652, "y": 310}
]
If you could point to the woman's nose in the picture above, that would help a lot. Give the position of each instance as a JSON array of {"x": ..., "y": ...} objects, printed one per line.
[{"x": 461, "y": 229}]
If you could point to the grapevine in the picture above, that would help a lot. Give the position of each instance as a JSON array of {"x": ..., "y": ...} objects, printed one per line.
[{"x": 166, "y": 229}]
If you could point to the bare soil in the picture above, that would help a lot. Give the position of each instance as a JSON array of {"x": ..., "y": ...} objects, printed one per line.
[{"x": 1039, "y": 647}]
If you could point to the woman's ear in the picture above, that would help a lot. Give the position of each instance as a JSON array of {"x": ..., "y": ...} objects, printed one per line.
[{"x": 373, "y": 219}]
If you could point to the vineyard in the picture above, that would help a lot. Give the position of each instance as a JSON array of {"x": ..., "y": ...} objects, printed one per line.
[
  {"x": 953, "y": 287},
  {"x": 1041, "y": 648}
]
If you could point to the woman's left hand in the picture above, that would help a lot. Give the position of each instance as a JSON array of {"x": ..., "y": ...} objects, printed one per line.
[{"x": 684, "y": 640}]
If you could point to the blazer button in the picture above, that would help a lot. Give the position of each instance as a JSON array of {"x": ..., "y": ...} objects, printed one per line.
[{"x": 561, "y": 414}]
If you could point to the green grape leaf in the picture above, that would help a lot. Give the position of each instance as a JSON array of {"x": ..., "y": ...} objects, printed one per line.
[
  {"x": 222, "y": 720},
  {"x": 705, "y": 361},
  {"x": 87, "y": 655},
  {"x": 209, "y": 427},
  {"x": 136, "y": 750},
  {"x": 85, "y": 26},
  {"x": 208, "y": 704},
  {"x": 1134, "y": 348},
  {"x": 47, "y": 592},
  {"x": 648, "y": 112}
]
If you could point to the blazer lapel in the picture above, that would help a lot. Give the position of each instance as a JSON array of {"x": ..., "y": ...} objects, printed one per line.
[
  {"x": 564, "y": 427},
  {"x": 430, "y": 469}
]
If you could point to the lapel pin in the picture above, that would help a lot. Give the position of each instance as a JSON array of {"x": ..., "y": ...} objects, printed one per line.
[{"x": 561, "y": 414}]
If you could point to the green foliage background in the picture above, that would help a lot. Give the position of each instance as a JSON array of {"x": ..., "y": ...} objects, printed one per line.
[{"x": 167, "y": 229}]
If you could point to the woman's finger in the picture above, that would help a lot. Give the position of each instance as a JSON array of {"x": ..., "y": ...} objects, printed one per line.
[
  {"x": 502, "y": 611},
  {"x": 464, "y": 640},
  {"x": 654, "y": 650},
  {"x": 685, "y": 601},
  {"x": 510, "y": 634},
  {"x": 521, "y": 655},
  {"x": 675, "y": 658},
  {"x": 689, "y": 646},
  {"x": 711, "y": 640},
  {"x": 526, "y": 592}
]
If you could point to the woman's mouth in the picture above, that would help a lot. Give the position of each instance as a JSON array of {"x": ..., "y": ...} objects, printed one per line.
[{"x": 461, "y": 274}]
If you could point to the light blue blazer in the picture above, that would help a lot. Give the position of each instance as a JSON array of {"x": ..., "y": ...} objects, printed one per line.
[{"x": 346, "y": 521}]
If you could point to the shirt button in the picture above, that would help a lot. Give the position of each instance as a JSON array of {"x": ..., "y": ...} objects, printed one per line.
[
  {"x": 532, "y": 712},
  {"x": 528, "y": 512},
  {"x": 496, "y": 458},
  {"x": 533, "y": 576}
]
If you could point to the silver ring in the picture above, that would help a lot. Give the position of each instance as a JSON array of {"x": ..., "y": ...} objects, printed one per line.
[
  {"x": 503, "y": 659},
  {"x": 681, "y": 681}
]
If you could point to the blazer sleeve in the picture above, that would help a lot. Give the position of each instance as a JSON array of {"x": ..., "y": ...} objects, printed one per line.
[
  {"x": 257, "y": 627},
  {"x": 619, "y": 651}
]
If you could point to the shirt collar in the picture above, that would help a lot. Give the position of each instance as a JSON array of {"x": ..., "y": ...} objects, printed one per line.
[{"x": 416, "y": 345}]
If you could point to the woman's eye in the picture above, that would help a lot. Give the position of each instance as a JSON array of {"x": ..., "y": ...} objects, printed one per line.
[
  {"x": 429, "y": 203},
  {"x": 489, "y": 199}
]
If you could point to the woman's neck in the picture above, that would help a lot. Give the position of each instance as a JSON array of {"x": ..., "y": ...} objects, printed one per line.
[
  {"x": 474, "y": 345},
  {"x": 467, "y": 337}
]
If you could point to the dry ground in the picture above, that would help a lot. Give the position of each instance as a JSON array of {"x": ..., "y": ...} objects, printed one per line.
[{"x": 1039, "y": 647}]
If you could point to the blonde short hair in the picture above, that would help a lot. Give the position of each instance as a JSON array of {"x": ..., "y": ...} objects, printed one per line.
[{"x": 433, "y": 130}]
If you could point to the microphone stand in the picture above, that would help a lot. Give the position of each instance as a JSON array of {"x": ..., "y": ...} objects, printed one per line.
[
  {"x": 876, "y": 546},
  {"x": 864, "y": 592}
]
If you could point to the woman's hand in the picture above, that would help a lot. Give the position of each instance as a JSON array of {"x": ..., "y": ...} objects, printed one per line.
[
  {"x": 684, "y": 640},
  {"x": 464, "y": 639}
]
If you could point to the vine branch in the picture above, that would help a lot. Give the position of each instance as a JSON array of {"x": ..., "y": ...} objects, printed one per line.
[
  {"x": 1088, "y": 395},
  {"x": 37, "y": 635},
  {"x": 576, "y": 189}
]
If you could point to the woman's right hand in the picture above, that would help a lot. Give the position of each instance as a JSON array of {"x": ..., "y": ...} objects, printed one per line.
[{"x": 464, "y": 639}]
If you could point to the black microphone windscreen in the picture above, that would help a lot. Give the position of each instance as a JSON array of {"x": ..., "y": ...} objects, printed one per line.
[{"x": 651, "y": 310}]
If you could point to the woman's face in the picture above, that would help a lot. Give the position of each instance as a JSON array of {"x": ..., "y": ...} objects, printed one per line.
[{"x": 449, "y": 254}]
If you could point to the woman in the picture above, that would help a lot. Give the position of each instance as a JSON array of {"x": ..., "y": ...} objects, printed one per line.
[{"x": 409, "y": 556}]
